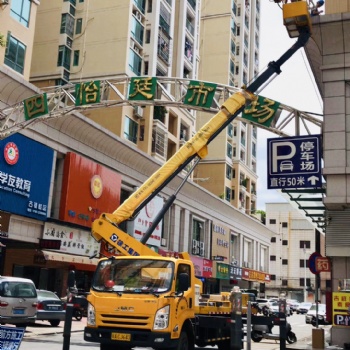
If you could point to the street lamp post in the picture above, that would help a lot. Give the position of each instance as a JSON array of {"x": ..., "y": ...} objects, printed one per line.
[{"x": 305, "y": 291}]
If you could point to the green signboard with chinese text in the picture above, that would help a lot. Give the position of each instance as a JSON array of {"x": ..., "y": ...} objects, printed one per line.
[
  {"x": 200, "y": 94},
  {"x": 35, "y": 106},
  {"x": 261, "y": 111},
  {"x": 87, "y": 93},
  {"x": 143, "y": 88}
]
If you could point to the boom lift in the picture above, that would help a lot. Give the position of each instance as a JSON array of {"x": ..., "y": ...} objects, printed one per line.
[{"x": 143, "y": 299}]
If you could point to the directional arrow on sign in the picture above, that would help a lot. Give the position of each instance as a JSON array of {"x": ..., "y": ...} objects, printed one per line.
[{"x": 313, "y": 180}]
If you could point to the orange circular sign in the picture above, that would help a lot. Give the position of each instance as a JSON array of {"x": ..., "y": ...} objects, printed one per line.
[{"x": 96, "y": 186}]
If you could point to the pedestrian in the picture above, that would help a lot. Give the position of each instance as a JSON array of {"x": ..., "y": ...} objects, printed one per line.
[{"x": 315, "y": 11}]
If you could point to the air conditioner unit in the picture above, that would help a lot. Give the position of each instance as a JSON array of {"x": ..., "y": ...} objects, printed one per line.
[
  {"x": 195, "y": 247},
  {"x": 137, "y": 49},
  {"x": 138, "y": 15},
  {"x": 138, "y": 111}
]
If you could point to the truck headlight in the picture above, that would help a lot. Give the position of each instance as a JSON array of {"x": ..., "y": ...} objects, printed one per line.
[
  {"x": 161, "y": 319},
  {"x": 91, "y": 316}
]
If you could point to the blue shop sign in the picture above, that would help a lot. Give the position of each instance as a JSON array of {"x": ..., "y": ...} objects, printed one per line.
[{"x": 25, "y": 176}]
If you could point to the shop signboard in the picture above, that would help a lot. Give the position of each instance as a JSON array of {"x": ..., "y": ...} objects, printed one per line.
[
  {"x": 25, "y": 176},
  {"x": 220, "y": 242},
  {"x": 341, "y": 305},
  {"x": 138, "y": 227},
  {"x": 255, "y": 276},
  {"x": 222, "y": 271},
  {"x": 88, "y": 190},
  {"x": 73, "y": 240}
]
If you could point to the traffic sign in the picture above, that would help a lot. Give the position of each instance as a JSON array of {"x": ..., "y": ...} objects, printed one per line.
[
  {"x": 312, "y": 262},
  {"x": 294, "y": 162}
]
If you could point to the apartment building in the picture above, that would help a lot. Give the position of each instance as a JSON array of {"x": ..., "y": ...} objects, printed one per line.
[
  {"x": 83, "y": 41},
  {"x": 229, "y": 54},
  {"x": 295, "y": 239}
]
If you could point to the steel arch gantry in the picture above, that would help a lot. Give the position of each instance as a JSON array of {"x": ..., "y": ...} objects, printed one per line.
[{"x": 171, "y": 93}]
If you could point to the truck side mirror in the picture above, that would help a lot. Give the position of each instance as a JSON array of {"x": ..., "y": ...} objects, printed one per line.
[{"x": 183, "y": 282}]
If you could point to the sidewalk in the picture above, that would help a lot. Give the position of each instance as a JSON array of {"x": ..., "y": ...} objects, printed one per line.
[{"x": 44, "y": 328}]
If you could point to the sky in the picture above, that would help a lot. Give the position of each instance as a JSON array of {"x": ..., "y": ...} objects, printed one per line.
[{"x": 294, "y": 86}]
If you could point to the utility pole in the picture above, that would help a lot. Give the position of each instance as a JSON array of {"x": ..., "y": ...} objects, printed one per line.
[{"x": 305, "y": 264}]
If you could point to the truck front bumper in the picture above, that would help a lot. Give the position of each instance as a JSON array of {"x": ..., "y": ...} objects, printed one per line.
[{"x": 132, "y": 338}]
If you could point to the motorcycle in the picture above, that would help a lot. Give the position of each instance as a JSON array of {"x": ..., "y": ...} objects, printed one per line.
[
  {"x": 79, "y": 307},
  {"x": 260, "y": 332}
]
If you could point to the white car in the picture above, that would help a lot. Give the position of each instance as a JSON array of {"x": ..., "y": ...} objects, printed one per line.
[
  {"x": 274, "y": 308},
  {"x": 310, "y": 317}
]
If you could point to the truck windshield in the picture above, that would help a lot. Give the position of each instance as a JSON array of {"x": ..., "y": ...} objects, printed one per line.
[{"x": 133, "y": 276}]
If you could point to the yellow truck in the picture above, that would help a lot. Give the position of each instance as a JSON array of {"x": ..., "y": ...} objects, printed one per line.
[{"x": 140, "y": 298}]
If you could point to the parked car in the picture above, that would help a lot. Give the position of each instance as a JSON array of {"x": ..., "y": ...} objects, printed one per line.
[
  {"x": 274, "y": 308},
  {"x": 50, "y": 307},
  {"x": 18, "y": 301},
  {"x": 303, "y": 308},
  {"x": 310, "y": 317},
  {"x": 293, "y": 304}
]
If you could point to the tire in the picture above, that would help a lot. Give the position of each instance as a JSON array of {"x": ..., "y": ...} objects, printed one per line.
[
  {"x": 54, "y": 323},
  {"x": 291, "y": 338},
  {"x": 224, "y": 345},
  {"x": 256, "y": 337},
  {"x": 78, "y": 314},
  {"x": 183, "y": 342}
]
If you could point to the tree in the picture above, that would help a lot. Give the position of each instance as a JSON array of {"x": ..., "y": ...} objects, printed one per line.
[{"x": 263, "y": 215}]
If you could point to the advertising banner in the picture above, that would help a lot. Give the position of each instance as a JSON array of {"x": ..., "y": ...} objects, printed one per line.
[
  {"x": 25, "y": 176},
  {"x": 88, "y": 190},
  {"x": 138, "y": 227}
]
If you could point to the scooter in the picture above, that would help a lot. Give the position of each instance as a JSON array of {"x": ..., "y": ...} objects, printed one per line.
[{"x": 260, "y": 332}]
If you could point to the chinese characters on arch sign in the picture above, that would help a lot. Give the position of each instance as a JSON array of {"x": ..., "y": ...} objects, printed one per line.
[{"x": 294, "y": 162}]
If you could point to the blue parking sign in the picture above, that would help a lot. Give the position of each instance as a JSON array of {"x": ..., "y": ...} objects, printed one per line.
[{"x": 294, "y": 162}]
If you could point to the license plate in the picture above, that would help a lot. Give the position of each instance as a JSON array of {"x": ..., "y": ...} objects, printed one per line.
[
  {"x": 53, "y": 308},
  {"x": 18, "y": 311},
  {"x": 121, "y": 336}
]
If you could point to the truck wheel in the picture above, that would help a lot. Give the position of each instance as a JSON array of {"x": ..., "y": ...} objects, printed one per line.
[
  {"x": 183, "y": 342},
  {"x": 224, "y": 345},
  {"x": 256, "y": 337}
]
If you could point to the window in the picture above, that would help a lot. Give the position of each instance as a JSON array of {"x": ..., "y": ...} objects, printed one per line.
[
  {"x": 273, "y": 277},
  {"x": 302, "y": 282},
  {"x": 303, "y": 263},
  {"x": 273, "y": 239},
  {"x": 284, "y": 224},
  {"x": 284, "y": 261},
  {"x": 304, "y": 244},
  {"x": 64, "y": 54},
  {"x": 285, "y": 242},
  {"x": 229, "y": 150},
  {"x": 228, "y": 172},
  {"x": 272, "y": 257},
  {"x": 130, "y": 130},
  {"x": 76, "y": 57},
  {"x": 78, "y": 26},
  {"x": 227, "y": 194},
  {"x": 272, "y": 221},
  {"x": 284, "y": 282},
  {"x": 15, "y": 54},
  {"x": 67, "y": 24},
  {"x": 72, "y": 10},
  {"x": 20, "y": 10},
  {"x": 73, "y": 2}
]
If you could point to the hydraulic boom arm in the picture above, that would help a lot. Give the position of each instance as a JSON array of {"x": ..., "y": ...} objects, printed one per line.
[{"x": 106, "y": 227}]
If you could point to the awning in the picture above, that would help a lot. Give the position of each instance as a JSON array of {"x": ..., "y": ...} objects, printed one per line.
[{"x": 79, "y": 261}]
